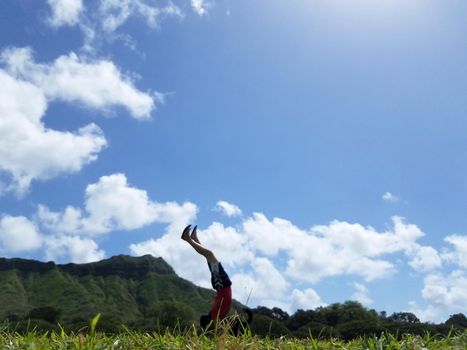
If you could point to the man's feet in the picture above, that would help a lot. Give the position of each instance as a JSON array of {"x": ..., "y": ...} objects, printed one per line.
[
  {"x": 194, "y": 235},
  {"x": 186, "y": 233}
]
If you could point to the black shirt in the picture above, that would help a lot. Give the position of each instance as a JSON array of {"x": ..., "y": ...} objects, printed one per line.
[{"x": 219, "y": 278}]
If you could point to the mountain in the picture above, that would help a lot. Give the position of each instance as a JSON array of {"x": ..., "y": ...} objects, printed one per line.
[{"x": 124, "y": 289}]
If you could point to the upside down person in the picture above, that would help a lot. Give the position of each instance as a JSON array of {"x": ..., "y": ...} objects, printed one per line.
[{"x": 219, "y": 279}]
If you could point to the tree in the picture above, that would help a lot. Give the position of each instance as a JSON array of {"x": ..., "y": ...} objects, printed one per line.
[
  {"x": 109, "y": 323},
  {"x": 457, "y": 320},
  {"x": 301, "y": 318},
  {"x": 279, "y": 314},
  {"x": 338, "y": 313},
  {"x": 356, "y": 328},
  {"x": 275, "y": 313},
  {"x": 263, "y": 310},
  {"x": 172, "y": 314},
  {"x": 315, "y": 329},
  {"x": 403, "y": 317},
  {"x": 12, "y": 317},
  {"x": 46, "y": 313},
  {"x": 268, "y": 327}
]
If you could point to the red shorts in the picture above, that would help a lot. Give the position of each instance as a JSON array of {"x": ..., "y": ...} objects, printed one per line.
[{"x": 222, "y": 303}]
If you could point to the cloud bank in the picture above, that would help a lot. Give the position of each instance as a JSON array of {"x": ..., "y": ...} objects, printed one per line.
[
  {"x": 112, "y": 204},
  {"x": 266, "y": 257},
  {"x": 65, "y": 12},
  {"x": 228, "y": 209},
  {"x": 98, "y": 84},
  {"x": 29, "y": 150}
]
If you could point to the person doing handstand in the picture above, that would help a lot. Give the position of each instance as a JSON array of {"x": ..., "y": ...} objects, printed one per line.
[{"x": 219, "y": 279}]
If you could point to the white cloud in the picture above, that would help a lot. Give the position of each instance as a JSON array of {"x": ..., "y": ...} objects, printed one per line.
[
  {"x": 265, "y": 285},
  {"x": 358, "y": 248},
  {"x": 200, "y": 7},
  {"x": 111, "y": 14},
  {"x": 425, "y": 258},
  {"x": 361, "y": 294},
  {"x": 228, "y": 209},
  {"x": 74, "y": 248},
  {"x": 337, "y": 249},
  {"x": 459, "y": 254},
  {"x": 114, "y": 13},
  {"x": 30, "y": 151},
  {"x": 260, "y": 245},
  {"x": 426, "y": 313},
  {"x": 273, "y": 284},
  {"x": 305, "y": 300},
  {"x": 65, "y": 12},
  {"x": 102, "y": 21},
  {"x": 231, "y": 246},
  {"x": 389, "y": 197},
  {"x": 445, "y": 294},
  {"x": 111, "y": 204},
  {"x": 269, "y": 237},
  {"x": 96, "y": 83},
  {"x": 18, "y": 234},
  {"x": 367, "y": 241}
]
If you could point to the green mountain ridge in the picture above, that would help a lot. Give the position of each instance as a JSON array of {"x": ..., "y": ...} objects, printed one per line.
[
  {"x": 145, "y": 293},
  {"x": 124, "y": 289}
]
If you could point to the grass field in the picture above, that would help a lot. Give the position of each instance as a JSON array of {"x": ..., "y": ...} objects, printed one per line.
[
  {"x": 89, "y": 339},
  {"x": 133, "y": 340}
]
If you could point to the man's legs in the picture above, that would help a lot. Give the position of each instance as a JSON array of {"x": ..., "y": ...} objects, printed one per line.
[
  {"x": 194, "y": 242},
  {"x": 223, "y": 299}
]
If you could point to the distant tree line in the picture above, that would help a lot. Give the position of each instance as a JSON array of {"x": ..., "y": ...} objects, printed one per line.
[
  {"x": 157, "y": 317},
  {"x": 344, "y": 320},
  {"x": 347, "y": 320}
]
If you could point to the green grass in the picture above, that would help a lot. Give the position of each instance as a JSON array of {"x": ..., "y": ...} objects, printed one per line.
[{"x": 89, "y": 339}]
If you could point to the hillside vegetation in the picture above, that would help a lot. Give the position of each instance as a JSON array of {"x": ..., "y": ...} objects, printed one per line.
[
  {"x": 145, "y": 294},
  {"x": 125, "y": 290}
]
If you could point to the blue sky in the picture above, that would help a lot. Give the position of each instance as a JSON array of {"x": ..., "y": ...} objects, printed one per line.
[{"x": 319, "y": 145}]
